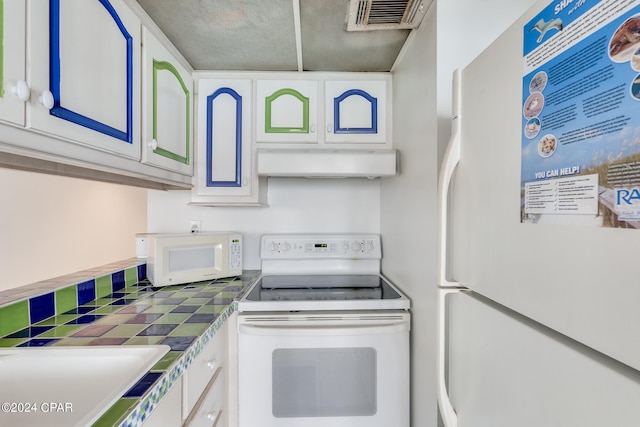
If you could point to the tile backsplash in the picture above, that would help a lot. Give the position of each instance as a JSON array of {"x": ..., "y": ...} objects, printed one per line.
[{"x": 30, "y": 304}]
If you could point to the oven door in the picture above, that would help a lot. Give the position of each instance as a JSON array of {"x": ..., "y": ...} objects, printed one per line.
[{"x": 328, "y": 369}]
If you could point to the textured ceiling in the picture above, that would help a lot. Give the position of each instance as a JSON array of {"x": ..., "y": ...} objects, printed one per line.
[{"x": 260, "y": 35}]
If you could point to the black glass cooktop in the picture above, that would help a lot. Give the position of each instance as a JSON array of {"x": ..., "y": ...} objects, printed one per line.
[{"x": 321, "y": 287}]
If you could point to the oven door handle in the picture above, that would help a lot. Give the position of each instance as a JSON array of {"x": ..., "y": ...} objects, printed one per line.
[{"x": 323, "y": 330}]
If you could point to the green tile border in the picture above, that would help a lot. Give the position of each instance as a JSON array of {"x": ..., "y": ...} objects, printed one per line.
[{"x": 14, "y": 314}]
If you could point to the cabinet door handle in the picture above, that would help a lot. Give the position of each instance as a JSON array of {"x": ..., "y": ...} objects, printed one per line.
[
  {"x": 212, "y": 364},
  {"x": 329, "y": 128},
  {"x": 212, "y": 415},
  {"x": 46, "y": 99},
  {"x": 153, "y": 144},
  {"x": 21, "y": 90}
]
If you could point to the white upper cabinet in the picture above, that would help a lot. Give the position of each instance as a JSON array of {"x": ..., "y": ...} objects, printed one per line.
[
  {"x": 356, "y": 111},
  {"x": 14, "y": 91},
  {"x": 287, "y": 111},
  {"x": 85, "y": 73},
  {"x": 225, "y": 169},
  {"x": 167, "y": 109}
]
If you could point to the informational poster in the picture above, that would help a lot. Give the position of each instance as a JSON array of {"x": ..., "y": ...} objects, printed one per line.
[{"x": 581, "y": 114}]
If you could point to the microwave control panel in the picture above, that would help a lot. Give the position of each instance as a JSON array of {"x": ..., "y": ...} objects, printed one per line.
[
  {"x": 235, "y": 253},
  {"x": 321, "y": 246}
]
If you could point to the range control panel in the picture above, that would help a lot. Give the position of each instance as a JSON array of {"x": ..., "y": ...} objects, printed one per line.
[{"x": 321, "y": 246}]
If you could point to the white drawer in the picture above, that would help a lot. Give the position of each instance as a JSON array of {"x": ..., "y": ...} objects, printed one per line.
[
  {"x": 212, "y": 411},
  {"x": 200, "y": 372}
]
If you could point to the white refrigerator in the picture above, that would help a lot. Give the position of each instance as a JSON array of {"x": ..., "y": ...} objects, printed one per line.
[{"x": 539, "y": 246}]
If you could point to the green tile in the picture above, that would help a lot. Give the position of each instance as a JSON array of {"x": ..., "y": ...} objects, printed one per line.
[
  {"x": 116, "y": 414},
  {"x": 125, "y": 331},
  {"x": 105, "y": 301},
  {"x": 210, "y": 309},
  {"x": 66, "y": 299},
  {"x": 107, "y": 309},
  {"x": 58, "y": 320},
  {"x": 189, "y": 329},
  {"x": 60, "y": 331},
  {"x": 130, "y": 276},
  {"x": 103, "y": 286},
  {"x": 144, "y": 340},
  {"x": 166, "y": 361},
  {"x": 14, "y": 317},
  {"x": 159, "y": 309},
  {"x": 173, "y": 318},
  {"x": 11, "y": 342}
]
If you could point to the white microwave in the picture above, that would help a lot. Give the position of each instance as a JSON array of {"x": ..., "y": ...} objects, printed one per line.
[{"x": 177, "y": 258}]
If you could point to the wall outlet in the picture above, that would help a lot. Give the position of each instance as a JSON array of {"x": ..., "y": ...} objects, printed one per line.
[{"x": 195, "y": 226}]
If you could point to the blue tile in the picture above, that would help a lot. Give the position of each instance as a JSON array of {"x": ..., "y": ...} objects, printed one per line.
[
  {"x": 30, "y": 332},
  {"x": 142, "y": 386},
  {"x": 142, "y": 272},
  {"x": 178, "y": 343},
  {"x": 117, "y": 281},
  {"x": 201, "y": 318},
  {"x": 80, "y": 310},
  {"x": 42, "y": 307},
  {"x": 39, "y": 342},
  {"x": 83, "y": 320},
  {"x": 157, "y": 330},
  {"x": 86, "y": 291}
]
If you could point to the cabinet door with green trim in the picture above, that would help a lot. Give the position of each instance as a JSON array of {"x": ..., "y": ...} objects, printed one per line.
[
  {"x": 167, "y": 109},
  {"x": 14, "y": 91},
  {"x": 287, "y": 111}
]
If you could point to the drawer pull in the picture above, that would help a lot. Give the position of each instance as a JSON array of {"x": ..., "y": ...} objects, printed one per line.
[
  {"x": 212, "y": 415},
  {"x": 212, "y": 364}
]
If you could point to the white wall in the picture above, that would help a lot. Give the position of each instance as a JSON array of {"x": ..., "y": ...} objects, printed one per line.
[
  {"x": 296, "y": 205},
  {"x": 452, "y": 34},
  {"x": 408, "y": 215},
  {"x": 52, "y": 225}
]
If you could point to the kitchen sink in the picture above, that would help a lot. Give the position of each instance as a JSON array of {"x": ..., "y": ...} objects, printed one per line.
[{"x": 68, "y": 386}]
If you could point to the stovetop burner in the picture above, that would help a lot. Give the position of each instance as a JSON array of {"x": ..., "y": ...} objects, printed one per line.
[{"x": 321, "y": 287}]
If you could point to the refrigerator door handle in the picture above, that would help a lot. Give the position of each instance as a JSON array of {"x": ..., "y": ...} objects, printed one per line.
[
  {"x": 449, "y": 163},
  {"x": 448, "y": 414},
  {"x": 446, "y": 287}
]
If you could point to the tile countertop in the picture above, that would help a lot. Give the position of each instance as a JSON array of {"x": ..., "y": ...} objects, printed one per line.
[{"x": 184, "y": 317}]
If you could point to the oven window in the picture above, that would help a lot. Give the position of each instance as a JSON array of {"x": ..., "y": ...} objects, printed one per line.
[{"x": 324, "y": 382}]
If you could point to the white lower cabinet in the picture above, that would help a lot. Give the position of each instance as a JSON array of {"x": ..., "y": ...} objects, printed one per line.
[
  {"x": 204, "y": 384},
  {"x": 168, "y": 412}
]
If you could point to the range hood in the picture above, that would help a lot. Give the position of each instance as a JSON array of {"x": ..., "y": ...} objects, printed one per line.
[{"x": 327, "y": 163}]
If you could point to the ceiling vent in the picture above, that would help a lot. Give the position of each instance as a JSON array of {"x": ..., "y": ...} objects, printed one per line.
[{"x": 367, "y": 15}]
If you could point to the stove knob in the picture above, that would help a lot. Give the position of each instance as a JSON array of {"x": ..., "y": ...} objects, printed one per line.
[{"x": 274, "y": 247}]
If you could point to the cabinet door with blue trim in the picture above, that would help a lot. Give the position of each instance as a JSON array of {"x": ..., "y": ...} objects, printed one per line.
[
  {"x": 14, "y": 91},
  {"x": 287, "y": 111},
  {"x": 85, "y": 73},
  {"x": 225, "y": 154},
  {"x": 356, "y": 111},
  {"x": 167, "y": 108}
]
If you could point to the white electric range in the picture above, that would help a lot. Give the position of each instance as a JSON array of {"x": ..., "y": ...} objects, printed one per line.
[{"x": 323, "y": 337}]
